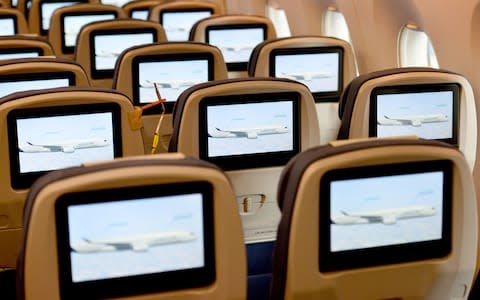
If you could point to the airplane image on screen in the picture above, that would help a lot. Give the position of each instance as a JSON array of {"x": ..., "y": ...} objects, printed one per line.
[
  {"x": 414, "y": 120},
  {"x": 307, "y": 76},
  {"x": 172, "y": 84},
  {"x": 68, "y": 146},
  {"x": 108, "y": 53},
  {"x": 136, "y": 243},
  {"x": 177, "y": 28},
  {"x": 388, "y": 216},
  {"x": 236, "y": 48},
  {"x": 250, "y": 133}
]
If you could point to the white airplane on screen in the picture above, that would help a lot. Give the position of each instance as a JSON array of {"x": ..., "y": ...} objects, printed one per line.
[
  {"x": 386, "y": 216},
  {"x": 236, "y": 48},
  {"x": 307, "y": 76},
  {"x": 414, "y": 120},
  {"x": 137, "y": 243},
  {"x": 170, "y": 28},
  {"x": 172, "y": 84},
  {"x": 251, "y": 133},
  {"x": 108, "y": 53},
  {"x": 68, "y": 146}
]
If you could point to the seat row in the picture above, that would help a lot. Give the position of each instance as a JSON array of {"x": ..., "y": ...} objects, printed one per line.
[
  {"x": 176, "y": 16},
  {"x": 248, "y": 127},
  {"x": 167, "y": 227}
]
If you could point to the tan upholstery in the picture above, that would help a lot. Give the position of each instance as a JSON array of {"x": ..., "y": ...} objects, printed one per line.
[
  {"x": 20, "y": 43},
  {"x": 57, "y": 20},
  {"x": 20, "y": 20},
  {"x": 40, "y": 66},
  {"x": 39, "y": 250},
  {"x": 198, "y": 31},
  {"x": 296, "y": 271},
  {"x": 22, "y": 7},
  {"x": 259, "y": 66},
  {"x": 124, "y": 81},
  {"x": 83, "y": 51},
  {"x": 12, "y": 202},
  {"x": 260, "y": 218}
]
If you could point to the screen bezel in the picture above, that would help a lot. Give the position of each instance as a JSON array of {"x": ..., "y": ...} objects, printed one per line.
[
  {"x": 331, "y": 96},
  {"x": 15, "y": 23},
  {"x": 38, "y": 50},
  {"x": 71, "y": 49},
  {"x": 105, "y": 74},
  {"x": 136, "y": 284},
  {"x": 236, "y": 66},
  {"x": 40, "y": 11},
  {"x": 391, "y": 254},
  {"x": 251, "y": 160},
  {"x": 417, "y": 88},
  {"x": 38, "y": 76},
  {"x": 20, "y": 180},
  {"x": 166, "y": 58}
]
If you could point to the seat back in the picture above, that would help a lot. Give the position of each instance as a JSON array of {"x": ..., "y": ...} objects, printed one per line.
[
  {"x": 47, "y": 147},
  {"x": 40, "y": 12},
  {"x": 251, "y": 142},
  {"x": 182, "y": 64},
  {"x": 236, "y": 36},
  {"x": 187, "y": 206},
  {"x": 324, "y": 64},
  {"x": 350, "y": 229},
  {"x": 430, "y": 103},
  {"x": 22, "y": 46},
  {"x": 253, "y": 171},
  {"x": 99, "y": 44},
  {"x": 177, "y": 18},
  {"x": 66, "y": 23},
  {"x": 140, "y": 9},
  {"x": 12, "y": 22},
  {"x": 25, "y": 74}
]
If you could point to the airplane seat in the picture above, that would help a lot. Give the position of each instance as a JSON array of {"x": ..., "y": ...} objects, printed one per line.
[
  {"x": 350, "y": 230},
  {"x": 24, "y": 74},
  {"x": 24, "y": 7},
  {"x": 324, "y": 64},
  {"x": 23, "y": 46},
  {"x": 67, "y": 21},
  {"x": 249, "y": 127},
  {"x": 40, "y": 11},
  {"x": 174, "y": 217},
  {"x": 140, "y": 9},
  {"x": 167, "y": 61},
  {"x": 30, "y": 148},
  {"x": 219, "y": 30},
  {"x": 12, "y": 21},
  {"x": 100, "y": 43},
  {"x": 178, "y": 17},
  {"x": 426, "y": 102}
]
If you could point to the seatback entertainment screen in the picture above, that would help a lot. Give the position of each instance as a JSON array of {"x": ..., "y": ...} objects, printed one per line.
[{"x": 369, "y": 218}]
